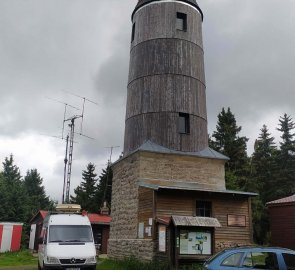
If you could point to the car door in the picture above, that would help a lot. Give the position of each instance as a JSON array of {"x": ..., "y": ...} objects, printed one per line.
[{"x": 261, "y": 260}]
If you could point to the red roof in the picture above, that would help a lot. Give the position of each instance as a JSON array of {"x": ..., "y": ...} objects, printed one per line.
[
  {"x": 99, "y": 219},
  {"x": 94, "y": 218},
  {"x": 286, "y": 200},
  {"x": 43, "y": 213}
]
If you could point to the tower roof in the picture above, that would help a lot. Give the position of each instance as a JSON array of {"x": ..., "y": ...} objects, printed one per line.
[{"x": 142, "y": 3}]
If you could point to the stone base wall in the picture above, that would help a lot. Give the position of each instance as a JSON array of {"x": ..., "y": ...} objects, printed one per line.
[
  {"x": 138, "y": 248},
  {"x": 221, "y": 245}
]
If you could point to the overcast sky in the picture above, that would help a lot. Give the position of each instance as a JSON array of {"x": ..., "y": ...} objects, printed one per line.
[{"x": 49, "y": 48}]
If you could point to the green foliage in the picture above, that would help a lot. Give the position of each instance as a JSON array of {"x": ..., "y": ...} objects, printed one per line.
[
  {"x": 23, "y": 257},
  {"x": 227, "y": 141},
  {"x": 104, "y": 188},
  {"x": 85, "y": 192},
  {"x": 135, "y": 264},
  {"x": 21, "y": 198},
  {"x": 92, "y": 192}
]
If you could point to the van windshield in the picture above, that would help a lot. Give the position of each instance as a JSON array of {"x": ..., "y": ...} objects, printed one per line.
[{"x": 70, "y": 233}]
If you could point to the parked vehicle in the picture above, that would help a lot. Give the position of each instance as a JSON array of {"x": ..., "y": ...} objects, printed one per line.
[
  {"x": 252, "y": 258},
  {"x": 66, "y": 241}
]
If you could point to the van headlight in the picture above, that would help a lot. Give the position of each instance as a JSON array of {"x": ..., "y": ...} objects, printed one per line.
[
  {"x": 91, "y": 260},
  {"x": 52, "y": 260}
]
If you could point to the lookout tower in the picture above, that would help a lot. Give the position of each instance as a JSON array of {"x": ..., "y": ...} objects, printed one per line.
[
  {"x": 166, "y": 100},
  {"x": 169, "y": 199}
]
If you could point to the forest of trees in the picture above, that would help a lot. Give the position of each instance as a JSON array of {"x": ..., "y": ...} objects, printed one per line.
[
  {"x": 93, "y": 192},
  {"x": 269, "y": 171},
  {"x": 22, "y": 197}
]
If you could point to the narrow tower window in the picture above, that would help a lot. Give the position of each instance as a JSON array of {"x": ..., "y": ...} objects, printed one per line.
[
  {"x": 181, "y": 21},
  {"x": 133, "y": 32},
  {"x": 183, "y": 123}
]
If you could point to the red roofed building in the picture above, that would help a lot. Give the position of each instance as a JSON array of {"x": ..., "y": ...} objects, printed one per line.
[
  {"x": 100, "y": 226},
  {"x": 282, "y": 222}
]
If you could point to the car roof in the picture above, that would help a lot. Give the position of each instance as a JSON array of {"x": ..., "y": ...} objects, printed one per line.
[{"x": 257, "y": 248}]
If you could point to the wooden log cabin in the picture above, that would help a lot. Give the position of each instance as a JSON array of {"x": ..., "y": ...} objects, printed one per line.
[{"x": 169, "y": 199}]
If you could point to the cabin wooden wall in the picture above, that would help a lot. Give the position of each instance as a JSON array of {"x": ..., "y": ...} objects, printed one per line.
[{"x": 184, "y": 203}]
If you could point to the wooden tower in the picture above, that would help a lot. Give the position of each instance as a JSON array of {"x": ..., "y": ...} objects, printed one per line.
[
  {"x": 166, "y": 101},
  {"x": 169, "y": 199}
]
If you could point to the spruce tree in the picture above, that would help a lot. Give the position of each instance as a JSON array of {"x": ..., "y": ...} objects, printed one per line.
[
  {"x": 262, "y": 181},
  {"x": 104, "y": 188},
  {"x": 12, "y": 189},
  {"x": 227, "y": 141},
  {"x": 86, "y": 191},
  {"x": 36, "y": 192},
  {"x": 286, "y": 159}
]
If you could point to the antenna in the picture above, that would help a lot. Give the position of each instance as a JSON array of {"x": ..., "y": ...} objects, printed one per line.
[
  {"x": 111, "y": 152},
  {"x": 65, "y": 111},
  {"x": 70, "y": 146},
  {"x": 108, "y": 169},
  {"x": 83, "y": 106}
]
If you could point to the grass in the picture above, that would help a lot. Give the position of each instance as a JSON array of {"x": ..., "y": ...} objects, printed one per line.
[
  {"x": 23, "y": 257},
  {"x": 134, "y": 264}
]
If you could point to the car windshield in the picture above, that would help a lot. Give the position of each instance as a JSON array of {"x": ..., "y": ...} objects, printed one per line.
[
  {"x": 70, "y": 233},
  {"x": 214, "y": 256}
]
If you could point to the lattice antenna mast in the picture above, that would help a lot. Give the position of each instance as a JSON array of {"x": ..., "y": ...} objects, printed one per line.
[
  {"x": 70, "y": 144},
  {"x": 70, "y": 160}
]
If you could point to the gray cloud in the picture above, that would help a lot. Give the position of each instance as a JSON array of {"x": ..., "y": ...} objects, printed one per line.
[{"x": 83, "y": 47}]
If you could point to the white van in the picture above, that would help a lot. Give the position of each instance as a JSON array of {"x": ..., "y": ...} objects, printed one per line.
[{"x": 66, "y": 243}]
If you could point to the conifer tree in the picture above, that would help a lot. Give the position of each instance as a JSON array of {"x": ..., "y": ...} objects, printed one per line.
[
  {"x": 36, "y": 193},
  {"x": 227, "y": 141},
  {"x": 262, "y": 181},
  {"x": 12, "y": 189},
  {"x": 86, "y": 191},
  {"x": 286, "y": 159},
  {"x": 104, "y": 188}
]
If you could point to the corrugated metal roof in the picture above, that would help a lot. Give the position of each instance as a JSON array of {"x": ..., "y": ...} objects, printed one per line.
[
  {"x": 189, "y": 186},
  {"x": 150, "y": 146},
  {"x": 195, "y": 221},
  {"x": 290, "y": 199}
]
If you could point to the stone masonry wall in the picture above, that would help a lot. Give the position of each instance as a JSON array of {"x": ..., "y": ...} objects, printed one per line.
[
  {"x": 209, "y": 172},
  {"x": 139, "y": 248},
  {"x": 123, "y": 240}
]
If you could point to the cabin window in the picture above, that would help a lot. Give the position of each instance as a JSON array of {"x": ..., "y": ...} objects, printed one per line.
[
  {"x": 133, "y": 32},
  {"x": 181, "y": 21},
  {"x": 203, "y": 209},
  {"x": 183, "y": 123}
]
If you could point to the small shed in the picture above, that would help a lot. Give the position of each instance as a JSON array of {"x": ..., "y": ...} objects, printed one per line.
[
  {"x": 36, "y": 227},
  {"x": 10, "y": 236},
  {"x": 100, "y": 226},
  {"x": 282, "y": 222}
]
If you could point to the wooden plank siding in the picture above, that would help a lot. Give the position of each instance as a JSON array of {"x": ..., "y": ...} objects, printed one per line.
[
  {"x": 282, "y": 225},
  {"x": 166, "y": 77},
  {"x": 184, "y": 203},
  {"x": 145, "y": 208}
]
